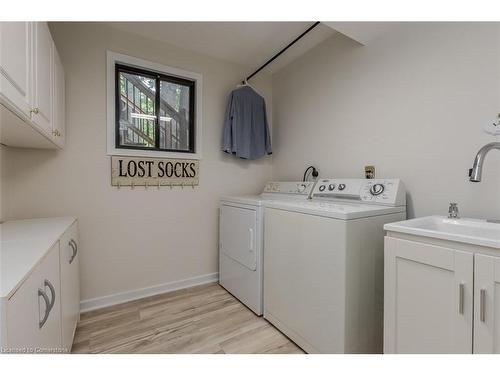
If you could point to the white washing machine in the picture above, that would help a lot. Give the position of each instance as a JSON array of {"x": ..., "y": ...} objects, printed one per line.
[
  {"x": 241, "y": 225},
  {"x": 324, "y": 267}
]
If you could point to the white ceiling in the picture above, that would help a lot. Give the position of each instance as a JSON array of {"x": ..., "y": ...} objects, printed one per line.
[
  {"x": 245, "y": 43},
  {"x": 364, "y": 32}
]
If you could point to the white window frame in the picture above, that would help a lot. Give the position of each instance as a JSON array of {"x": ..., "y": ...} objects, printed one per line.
[{"x": 112, "y": 59}]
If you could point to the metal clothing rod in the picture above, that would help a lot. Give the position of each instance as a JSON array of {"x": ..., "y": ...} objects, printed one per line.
[{"x": 283, "y": 50}]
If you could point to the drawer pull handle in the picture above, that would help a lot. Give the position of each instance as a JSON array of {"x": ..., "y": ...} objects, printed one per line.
[
  {"x": 74, "y": 246},
  {"x": 41, "y": 293},
  {"x": 251, "y": 247},
  {"x": 461, "y": 299},
  {"x": 48, "y": 284},
  {"x": 482, "y": 305}
]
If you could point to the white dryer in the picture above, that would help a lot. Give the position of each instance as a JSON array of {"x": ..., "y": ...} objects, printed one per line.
[
  {"x": 323, "y": 264},
  {"x": 241, "y": 225}
]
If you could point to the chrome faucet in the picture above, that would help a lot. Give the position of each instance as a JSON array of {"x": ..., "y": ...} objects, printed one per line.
[
  {"x": 477, "y": 169},
  {"x": 453, "y": 211}
]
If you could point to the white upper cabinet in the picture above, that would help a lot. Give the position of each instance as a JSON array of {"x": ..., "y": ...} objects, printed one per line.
[
  {"x": 59, "y": 103},
  {"x": 43, "y": 77},
  {"x": 31, "y": 87},
  {"x": 15, "y": 65}
]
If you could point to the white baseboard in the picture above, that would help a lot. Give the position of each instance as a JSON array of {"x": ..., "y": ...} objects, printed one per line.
[{"x": 114, "y": 299}]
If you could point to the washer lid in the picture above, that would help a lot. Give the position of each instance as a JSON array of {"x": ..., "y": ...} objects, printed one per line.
[
  {"x": 259, "y": 200},
  {"x": 343, "y": 211},
  {"x": 287, "y": 190},
  {"x": 252, "y": 200}
]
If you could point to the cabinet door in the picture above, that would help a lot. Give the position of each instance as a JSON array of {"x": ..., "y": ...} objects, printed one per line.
[
  {"x": 43, "y": 77},
  {"x": 26, "y": 309},
  {"x": 428, "y": 298},
  {"x": 15, "y": 64},
  {"x": 486, "y": 304},
  {"x": 70, "y": 285},
  {"x": 59, "y": 123},
  {"x": 238, "y": 230}
]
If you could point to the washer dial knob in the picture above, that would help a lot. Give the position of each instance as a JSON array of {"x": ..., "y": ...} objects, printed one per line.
[
  {"x": 377, "y": 189},
  {"x": 341, "y": 187},
  {"x": 331, "y": 187},
  {"x": 322, "y": 187}
]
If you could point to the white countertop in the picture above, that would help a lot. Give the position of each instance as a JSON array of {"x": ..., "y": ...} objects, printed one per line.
[
  {"x": 464, "y": 230},
  {"x": 24, "y": 243}
]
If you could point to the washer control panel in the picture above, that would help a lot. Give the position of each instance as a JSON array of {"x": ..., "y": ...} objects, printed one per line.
[
  {"x": 300, "y": 188},
  {"x": 387, "y": 191}
]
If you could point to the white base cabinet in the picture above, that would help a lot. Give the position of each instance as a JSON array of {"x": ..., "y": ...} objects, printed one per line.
[
  {"x": 40, "y": 290},
  {"x": 486, "y": 304},
  {"x": 34, "y": 311},
  {"x": 70, "y": 285},
  {"x": 440, "y": 297}
]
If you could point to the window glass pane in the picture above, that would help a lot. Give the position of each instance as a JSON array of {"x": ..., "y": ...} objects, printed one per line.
[
  {"x": 137, "y": 110},
  {"x": 174, "y": 116}
]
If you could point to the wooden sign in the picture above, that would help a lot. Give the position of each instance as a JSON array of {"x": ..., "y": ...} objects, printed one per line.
[{"x": 132, "y": 171}]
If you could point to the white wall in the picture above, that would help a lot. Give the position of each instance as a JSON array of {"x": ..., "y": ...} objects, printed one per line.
[
  {"x": 131, "y": 239},
  {"x": 412, "y": 103},
  {"x": 3, "y": 182}
]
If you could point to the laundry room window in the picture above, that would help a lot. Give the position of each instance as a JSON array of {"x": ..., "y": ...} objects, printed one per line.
[{"x": 155, "y": 110}]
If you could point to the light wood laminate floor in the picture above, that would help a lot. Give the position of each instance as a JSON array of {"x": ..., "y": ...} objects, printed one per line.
[{"x": 202, "y": 319}]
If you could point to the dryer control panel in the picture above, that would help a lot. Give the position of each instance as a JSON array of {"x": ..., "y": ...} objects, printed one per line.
[
  {"x": 300, "y": 188},
  {"x": 384, "y": 191}
]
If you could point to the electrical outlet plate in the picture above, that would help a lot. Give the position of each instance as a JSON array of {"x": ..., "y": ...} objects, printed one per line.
[
  {"x": 369, "y": 171},
  {"x": 493, "y": 128}
]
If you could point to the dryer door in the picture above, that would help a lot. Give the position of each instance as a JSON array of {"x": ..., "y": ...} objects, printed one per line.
[{"x": 238, "y": 235}]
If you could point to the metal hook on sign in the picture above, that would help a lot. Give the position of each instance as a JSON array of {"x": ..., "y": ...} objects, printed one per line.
[
  {"x": 118, "y": 184},
  {"x": 159, "y": 184},
  {"x": 132, "y": 185},
  {"x": 182, "y": 185},
  {"x": 170, "y": 186},
  {"x": 192, "y": 185},
  {"x": 145, "y": 185}
]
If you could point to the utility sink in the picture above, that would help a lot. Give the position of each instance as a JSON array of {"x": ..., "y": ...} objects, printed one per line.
[{"x": 470, "y": 231}]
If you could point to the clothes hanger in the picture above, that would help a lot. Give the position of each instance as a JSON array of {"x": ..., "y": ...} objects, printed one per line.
[{"x": 245, "y": 83}]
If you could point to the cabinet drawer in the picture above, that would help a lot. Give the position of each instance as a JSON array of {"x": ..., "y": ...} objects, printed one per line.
[
  {"x": 70, "y": 285},
  {"x": 33, "y": 312}
]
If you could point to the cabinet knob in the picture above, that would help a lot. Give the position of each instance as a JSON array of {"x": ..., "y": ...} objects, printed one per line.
[
  {"x": 56, "y": 133},
  {"x": 34, "y": 111}
]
